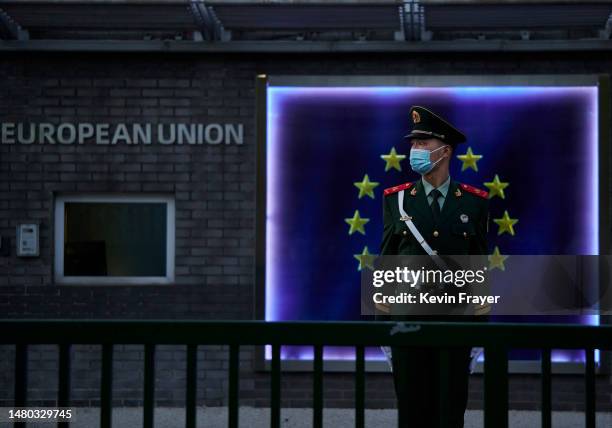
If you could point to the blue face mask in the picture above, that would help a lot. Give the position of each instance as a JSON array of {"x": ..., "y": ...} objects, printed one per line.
[{"x": 420, "y": 160}]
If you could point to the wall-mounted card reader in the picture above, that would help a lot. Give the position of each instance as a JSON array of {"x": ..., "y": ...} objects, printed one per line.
[{"x": 27, "y": 240}]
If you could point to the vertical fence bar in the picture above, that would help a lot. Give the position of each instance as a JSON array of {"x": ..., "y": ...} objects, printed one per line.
[
  {"x": 149, "y": 385},
  {"x": 589, "y": 377},
  {"x": 496, "y": 388},
  {"x": 444, "y": 397},
  {"x": 233, "y": 386},
  {"x": 21, "y": 375},
  {"x": 192, "y": 381},
  {"x": 21, "y": 378},
  {"x": 63, "y": 390},
  {"x": 359, "y": 386},
  {"x": 106, "y": 387},
  {"x": 546, "y": 389},
  {"x": 317, "y": 388},
  {"x": 275, "y": 388}
]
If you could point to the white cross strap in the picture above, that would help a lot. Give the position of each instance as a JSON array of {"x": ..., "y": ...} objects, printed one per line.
[{"x": 413, "y": 229}]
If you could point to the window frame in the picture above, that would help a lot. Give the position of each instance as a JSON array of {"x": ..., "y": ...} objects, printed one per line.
[{"x": 58, "y": 229}]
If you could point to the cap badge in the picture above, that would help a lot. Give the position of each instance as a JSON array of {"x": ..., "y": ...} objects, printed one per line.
[
  {"x": 464, "y": 218},
  {"x": 416, "y": 117}
]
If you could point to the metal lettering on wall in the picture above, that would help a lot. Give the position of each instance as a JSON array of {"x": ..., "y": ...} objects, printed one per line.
[{"x": 121, "y": 133}]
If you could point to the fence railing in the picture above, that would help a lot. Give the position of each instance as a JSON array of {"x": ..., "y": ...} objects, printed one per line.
[{"x": 496, "y": 338}]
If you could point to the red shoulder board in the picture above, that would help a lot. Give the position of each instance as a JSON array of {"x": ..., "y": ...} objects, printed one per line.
[
  {"x": 476, "y": 191},
  {"x": 397, "y": 188}
]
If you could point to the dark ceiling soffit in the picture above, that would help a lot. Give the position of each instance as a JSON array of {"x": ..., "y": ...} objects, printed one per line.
[
  {"x": 177, "y": 46},
  {"x": 517, "y": 16}
]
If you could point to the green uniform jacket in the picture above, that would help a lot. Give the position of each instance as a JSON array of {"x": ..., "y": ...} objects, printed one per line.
[{"x": 461, "y": 229}]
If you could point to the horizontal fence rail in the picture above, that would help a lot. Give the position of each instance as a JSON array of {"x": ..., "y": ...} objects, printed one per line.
[{"x": 496, "y": 338}]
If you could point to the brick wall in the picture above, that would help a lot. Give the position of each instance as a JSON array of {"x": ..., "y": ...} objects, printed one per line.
[{"x": 214, "y": 187}]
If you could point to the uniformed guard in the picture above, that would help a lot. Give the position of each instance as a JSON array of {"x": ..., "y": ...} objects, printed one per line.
[{"x": 434, "y": 215}]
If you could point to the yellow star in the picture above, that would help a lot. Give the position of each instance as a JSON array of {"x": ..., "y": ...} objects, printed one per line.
[
  {"x": 506, "y": 224},
  {"x": 469, "y": 160},
  {"x": 365, "y": 259},
  {"x": 366, "y": 187},
  {"x": 356, "y": 223},
  {"x": 393, "y": 160},
  {"x": 496, "y": 187},
  {"x": 496, "y": 260}
]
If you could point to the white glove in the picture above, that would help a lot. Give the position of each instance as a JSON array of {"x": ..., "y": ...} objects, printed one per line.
[
  {"x": 387, "y": 351},
  {"x": 474, "y": 354}
]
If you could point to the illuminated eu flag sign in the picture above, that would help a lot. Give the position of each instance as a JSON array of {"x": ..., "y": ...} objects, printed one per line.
[{"x": 331, "y": 149}]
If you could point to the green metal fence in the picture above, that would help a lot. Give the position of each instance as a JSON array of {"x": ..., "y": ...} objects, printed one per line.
[{"x": 496, "y": 338}]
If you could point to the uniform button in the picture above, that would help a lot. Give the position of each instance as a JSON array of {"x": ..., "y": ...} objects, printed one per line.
[
  {"x": 465, "y": 234},
  {"x": 435, "y": 234},
  {"x": 404, "y": 233}
]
